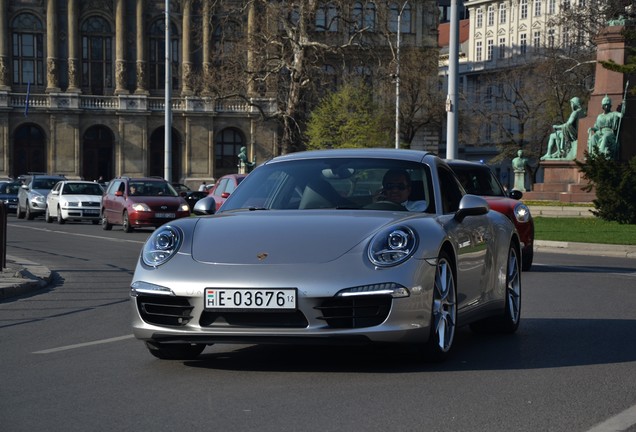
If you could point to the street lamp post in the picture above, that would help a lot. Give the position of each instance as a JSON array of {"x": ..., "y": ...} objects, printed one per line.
[
  {"x": 167, "y": 140},
  {"x": 397, "y": 77}
]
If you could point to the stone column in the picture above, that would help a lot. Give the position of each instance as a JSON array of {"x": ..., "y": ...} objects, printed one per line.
[
  {"x": 120, "y": 47},
  {"x": 207, "y": 37},
  {"x": 73, "y": 48},
  {"x": 4, "y": 47},
  {"x": 51, "y": 47},
  {"x": 186, "y": 64},
  {"x": 142, "y": 64}
]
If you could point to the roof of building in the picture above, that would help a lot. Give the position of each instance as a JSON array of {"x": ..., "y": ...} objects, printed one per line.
[{"x": 444, "y": 33}]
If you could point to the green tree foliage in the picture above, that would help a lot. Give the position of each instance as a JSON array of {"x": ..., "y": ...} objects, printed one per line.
[
  {"x": 615, "y": 185},
  {"x": 348, "y": 119}
]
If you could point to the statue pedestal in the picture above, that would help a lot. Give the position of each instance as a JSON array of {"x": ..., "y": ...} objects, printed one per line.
[
  {"x": 520, "y": 181},
  {"x": 562, "y": 181}
]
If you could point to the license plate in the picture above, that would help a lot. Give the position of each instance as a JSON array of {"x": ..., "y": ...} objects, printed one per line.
[
  {"x": 91, "y": 212},
  {"x": 165, "y": 215},
  {"x": 261, "y": 299}
]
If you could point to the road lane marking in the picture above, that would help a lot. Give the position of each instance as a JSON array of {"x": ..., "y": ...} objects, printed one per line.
[
  {"x": 620, "y": 422},
  {"x": 85, "y": 344},
  {"x": 77, "y": 234}
]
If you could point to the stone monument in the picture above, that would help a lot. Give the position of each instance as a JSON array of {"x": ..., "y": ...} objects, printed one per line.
[{"x": 562, "y": 179}]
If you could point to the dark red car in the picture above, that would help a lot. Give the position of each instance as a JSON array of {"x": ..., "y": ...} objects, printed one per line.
[
  {"x": 224, "y": 187},
  {"x": 143, "y": 202},
  {"x": 478, "y": 179}
]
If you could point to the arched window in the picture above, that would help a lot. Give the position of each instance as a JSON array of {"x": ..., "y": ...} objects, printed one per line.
[
  {"x": 364, "y": 15},
  {"x": 327, "y": 18},
  {"x": 157, "y": 55},
  {"x": 226, "y": 149},
  {"x": 28, "y": 50},
  {"x": 97, "y": 55},
  {"x": 405, "y": 20}
]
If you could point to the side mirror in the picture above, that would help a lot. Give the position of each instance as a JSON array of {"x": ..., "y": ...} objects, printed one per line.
[
  {"x": 205, "y": 206},
  {"x": 471, "y": 205},
  {"x": 516, "y": 194}
]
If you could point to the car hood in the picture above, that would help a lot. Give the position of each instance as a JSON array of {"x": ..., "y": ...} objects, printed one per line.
[
  {"x": 83, "y": 198},
  {"x": 501, "y": 204},
  {"x": 43, "y": 192},
  {"x": 286, "y": 237}
]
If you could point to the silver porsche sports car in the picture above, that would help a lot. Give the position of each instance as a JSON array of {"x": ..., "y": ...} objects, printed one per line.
[{"x": 335, "y": 246}]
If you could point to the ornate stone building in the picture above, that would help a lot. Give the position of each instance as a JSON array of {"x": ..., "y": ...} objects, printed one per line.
[{"x": 82, "y": 90}]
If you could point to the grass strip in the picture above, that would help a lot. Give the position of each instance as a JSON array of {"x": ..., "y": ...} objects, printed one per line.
[{"x": 584, "y": 230}]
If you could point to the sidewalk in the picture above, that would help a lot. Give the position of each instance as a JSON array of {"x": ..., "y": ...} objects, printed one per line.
[{"x": 22, "y": 276}]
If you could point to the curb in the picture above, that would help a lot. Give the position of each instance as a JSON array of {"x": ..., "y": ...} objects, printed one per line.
[
  {"x": 574, "y": 248},
  {"x": 21, "y": 276}
]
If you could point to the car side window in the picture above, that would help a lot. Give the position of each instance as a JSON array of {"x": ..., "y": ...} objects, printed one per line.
[
  {"x": 450, "y": 190},
  {"x": 221, "y": 188}
]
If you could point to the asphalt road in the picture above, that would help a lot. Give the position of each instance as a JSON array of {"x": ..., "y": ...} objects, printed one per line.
[{"x": 68, "y": 360}]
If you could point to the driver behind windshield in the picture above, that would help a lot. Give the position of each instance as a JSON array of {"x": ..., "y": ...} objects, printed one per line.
[{"x": 396, "y": 187}]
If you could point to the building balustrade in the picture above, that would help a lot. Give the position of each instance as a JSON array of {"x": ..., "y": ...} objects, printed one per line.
[{"x": 131, "y": 103}]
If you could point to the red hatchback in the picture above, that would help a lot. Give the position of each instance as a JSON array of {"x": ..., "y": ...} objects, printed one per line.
[
  {"x": 144, "y": 202},
  {"x": 478, "y": 179},
  {"x": 224, "y": 187}
]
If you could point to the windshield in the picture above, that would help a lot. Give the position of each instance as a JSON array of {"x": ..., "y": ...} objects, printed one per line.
[
  {"x": 343, "y": 183},
  {"x": 82, "y": 189},
  {"x": 151, "y": 188},
  {"x": 44, "y": 183},
  {"x": 10, "y": 188},
  {"x": 478, "y": 180}
]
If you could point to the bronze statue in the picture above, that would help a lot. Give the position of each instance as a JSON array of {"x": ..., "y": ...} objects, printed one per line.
[
  {"x": 562, "y": 143},
  {"x": 603, "y": 136}
]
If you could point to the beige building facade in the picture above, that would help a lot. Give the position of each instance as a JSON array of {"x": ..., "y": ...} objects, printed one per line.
[{"x": 82, "y": 93}]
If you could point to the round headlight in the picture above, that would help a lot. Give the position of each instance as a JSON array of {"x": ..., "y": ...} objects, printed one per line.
[
  {"x": 392, "y": 246},
  {"x": 161, "y": 246},
  {"x": 522, "y": 212}
]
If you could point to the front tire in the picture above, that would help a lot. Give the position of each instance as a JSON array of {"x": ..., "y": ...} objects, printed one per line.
[
  {"x": 106, "y": 226},
  {"x": 60, "y": 219},
  {"x": 47, "y": 215},
  {"x": 126, "y": 223},
  {"x": 29, "y": 215},
  {"x": 444, "y": 310},
  {"x": 526, "y": 259},
  {"x": 175, "y": 351},
  {"x": 508, "y": 322}
]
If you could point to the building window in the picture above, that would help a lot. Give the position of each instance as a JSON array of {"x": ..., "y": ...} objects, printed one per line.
[
  {"x": 226, "y": 149},
  {"x": 503, "y": 12},
  {"x": 551, "y": 7},
  {"x": 502, "y": 47},
  {"x": 536, "y": 43},
  {"x": 327, "y": 18},
  {"x": 479, "y": 18},
  {"x": 551, "y": 38},
  {"x": 537, "y": 8},
  {"x": 523, "y": 9},
  {"x": 491, "y": 15},
  {"x": 489, "y": 49},
  {"x": 364, "y": 15},
  {"x": 523, "y": 44},
  {"x": 157, "y": 55},
  {"x": 478, "y": 51},
  {"x": 97, "y": 55},
  {"x": 405, "y": 19},
  {"x": 28, "y": 50}
]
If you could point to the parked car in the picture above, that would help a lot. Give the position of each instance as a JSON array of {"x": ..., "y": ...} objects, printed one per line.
[
  {"x": 146, "y": 202},
  {"x": 74, "y": 200},
  {"x": 224, "y": 187},
  {"x": 32, "y": 194},
  {"x": 319, "y": 247},
  {"x": 478, "y": 179},
  {"x": 191, "y": 196},
  {"x": 9, "y": 195}
]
